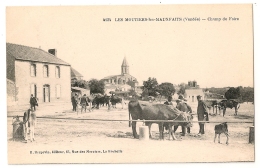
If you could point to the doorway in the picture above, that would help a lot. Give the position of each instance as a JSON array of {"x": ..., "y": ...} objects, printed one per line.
[{"x": 46, "y": 93}]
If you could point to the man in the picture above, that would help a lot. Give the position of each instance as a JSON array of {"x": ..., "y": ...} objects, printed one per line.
[
  {"x": 201, "y": 111},
  {"x": 83, "y": 102},
  {"x": 182, "y": 106},
  {"x": 74, "y": 101},
  {"x": 169, "y": 101},
  {"x": 33, "y": 102}
]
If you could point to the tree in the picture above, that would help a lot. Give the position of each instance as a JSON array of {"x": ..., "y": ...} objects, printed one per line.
[
  {"x": 96, "y": 86},
  {"x": 81, "y": 83},
  {"x": 182, "y": 88},
  {"x": 166, "y": 89},
  {"x": 233, "y": 93},
  {"x": 151, "y": 85}
]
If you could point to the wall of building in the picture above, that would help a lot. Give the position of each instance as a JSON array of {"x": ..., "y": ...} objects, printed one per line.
[
  {"x": 24, "y": 82},
  {"x": 10, "y": 68}
]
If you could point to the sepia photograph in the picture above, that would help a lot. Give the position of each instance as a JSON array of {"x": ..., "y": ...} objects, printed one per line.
[{"x": 161, "y": 83}]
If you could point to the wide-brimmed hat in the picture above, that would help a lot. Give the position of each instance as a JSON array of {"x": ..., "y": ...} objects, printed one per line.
[{"x": 181, "y": 97}]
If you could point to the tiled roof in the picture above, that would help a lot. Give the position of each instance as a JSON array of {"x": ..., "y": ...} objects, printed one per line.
[
  {"x": 26, "y": 53},
  {"x": 75, "y": 73}
]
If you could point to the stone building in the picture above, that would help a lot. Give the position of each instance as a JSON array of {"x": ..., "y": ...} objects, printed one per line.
[
  {"x": 35, "y": 71},
  {"x": 122, "y": 82}
]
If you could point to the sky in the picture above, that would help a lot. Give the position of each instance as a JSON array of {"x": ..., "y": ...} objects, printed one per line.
[{"x": 214, "y": 53}]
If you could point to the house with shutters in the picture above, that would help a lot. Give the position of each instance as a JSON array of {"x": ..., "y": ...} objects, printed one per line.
[{"x": 35, "y": 71}]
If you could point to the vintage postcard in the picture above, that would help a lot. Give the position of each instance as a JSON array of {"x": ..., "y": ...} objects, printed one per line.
[{"x": 130, "y": 84}]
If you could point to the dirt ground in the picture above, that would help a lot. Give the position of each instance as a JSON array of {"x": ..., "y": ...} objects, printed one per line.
[{"x": 87, "y": 141}]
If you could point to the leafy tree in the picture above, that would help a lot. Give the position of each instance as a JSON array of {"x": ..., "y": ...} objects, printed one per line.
[
  {"x": 233, "y": 93},
  {"x": 166, "y": 89},
  {"x": 96, "y": 86},
  {"x": 81, "y": 84},
  {"x": 247, "y": 94},
  {"x": 151, "y": 85}
]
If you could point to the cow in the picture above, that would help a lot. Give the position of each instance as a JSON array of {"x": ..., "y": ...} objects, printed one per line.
[
  {"x": 29, "y": 123},
  {"x": 213, "y": 104},
  {"x": 114, "y": 100},
  {"x": 229, "y": 104},
  {"x": 155, "y": 112},
  {"x": 221, "y": 128}
]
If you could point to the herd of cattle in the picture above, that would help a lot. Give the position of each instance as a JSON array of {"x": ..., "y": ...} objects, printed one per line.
[
  {"x": 149, "y": 112},
  {"x": 98, "y": 100}
]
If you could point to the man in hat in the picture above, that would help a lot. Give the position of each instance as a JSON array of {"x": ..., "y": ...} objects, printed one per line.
[
  {"x": 33, "y": 102},
  {"x": 74, "y": 101},
  {"x": 201, "y": 111},
  {"x": 83, "y": 102},
  {"x": 169, "y": 101},
  {"x": 183, "y": 106}
]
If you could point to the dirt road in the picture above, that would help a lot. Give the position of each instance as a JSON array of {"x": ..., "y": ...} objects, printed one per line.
[{"x": 112, "y": 142}]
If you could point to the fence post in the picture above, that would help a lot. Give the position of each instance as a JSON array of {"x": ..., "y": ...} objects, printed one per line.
[{"x": 252, "y": 133}]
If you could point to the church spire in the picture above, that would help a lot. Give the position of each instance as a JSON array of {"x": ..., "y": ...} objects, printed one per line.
[{"x": 124, "y": 67}]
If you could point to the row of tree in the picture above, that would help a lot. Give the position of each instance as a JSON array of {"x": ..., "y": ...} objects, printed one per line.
[
  {"x": 94, "y": 85},
  {"x": 152, "y": 88}
]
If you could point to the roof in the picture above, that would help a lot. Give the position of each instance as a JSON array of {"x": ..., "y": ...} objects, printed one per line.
[
  {"x": 125, "y": 63},
  {"x": 26, "y": 53},
  {"x": 75, "y": 73},
  {"x": 114, "y": 76},
  {"x": 194, "y": 92}
]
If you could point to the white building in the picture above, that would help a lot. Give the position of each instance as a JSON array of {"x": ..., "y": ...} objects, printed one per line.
[
  {"x": 191, "y": 95},
  {"x": 35, "y": 71}
]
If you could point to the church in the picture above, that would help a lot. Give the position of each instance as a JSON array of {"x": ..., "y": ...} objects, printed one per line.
[{"x": 122, "y": 82}]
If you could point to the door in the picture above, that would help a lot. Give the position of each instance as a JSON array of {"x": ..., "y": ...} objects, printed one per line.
[{"x": 46, "y": 93}]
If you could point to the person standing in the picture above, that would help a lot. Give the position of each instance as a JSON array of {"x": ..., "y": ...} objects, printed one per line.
[
  {"x": 184, "y": 107},
  {"x": 74, "y": 101},
  {"x": 33, "y": 102},
  {"x": 83, "y": 103},
  {"x": 201, "y": 111}
]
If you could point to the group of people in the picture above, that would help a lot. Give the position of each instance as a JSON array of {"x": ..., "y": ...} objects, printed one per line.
[
  {"x": 83, "y": 101},
  {"x": 183, "y": 106}
]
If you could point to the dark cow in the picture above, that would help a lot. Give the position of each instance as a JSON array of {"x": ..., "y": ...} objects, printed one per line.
[
  {"x": 98, "y": 101},
  {"x": 229, "y": 104},
  {"x": 221, "y": 128},
  {"x": 150, "y": 111},
  {"x": 114, "y": 100}
]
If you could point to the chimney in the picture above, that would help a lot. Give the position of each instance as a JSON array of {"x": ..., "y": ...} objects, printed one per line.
[{"x": 53, "y": 52}]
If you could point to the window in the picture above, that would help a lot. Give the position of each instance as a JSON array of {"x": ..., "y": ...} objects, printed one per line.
[
  {"x": 45, "y": 71},
  {"x": 58, "y": 91},
  {"x": 34, "y": 90},
  {"x": 57, "y": 72},
  {"x": 33, "y": 70}
]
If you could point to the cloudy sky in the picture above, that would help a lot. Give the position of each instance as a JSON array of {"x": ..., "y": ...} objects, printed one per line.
[{"x": 214, "y": 53}]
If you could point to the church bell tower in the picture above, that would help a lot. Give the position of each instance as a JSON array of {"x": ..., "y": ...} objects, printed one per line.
[{"x": 124, "y": 67}]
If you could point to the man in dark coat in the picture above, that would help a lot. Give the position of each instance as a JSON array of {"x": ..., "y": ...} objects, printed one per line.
[
  {"x": 183, "y": 106},
  {"x": 84, "y": 102},
  {"x": 202, "y": 111},
  {"x": 74, "y": 101},
  {"x": 33, "y": 102}
]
